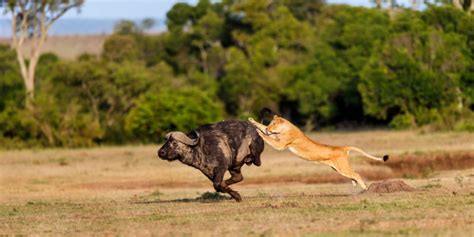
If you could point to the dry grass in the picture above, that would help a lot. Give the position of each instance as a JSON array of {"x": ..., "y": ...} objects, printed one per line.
[
  {"x": 127, "y": 190},
  {"x": 68, "y": 47},
  {"x": 389, "y": 186}
]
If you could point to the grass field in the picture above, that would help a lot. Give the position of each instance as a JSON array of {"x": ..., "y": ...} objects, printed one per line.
[{"x": 129, "y": 191}]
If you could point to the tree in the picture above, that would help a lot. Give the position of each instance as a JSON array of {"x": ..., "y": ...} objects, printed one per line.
[
  {"x": 414, "y": 5},
  {"x": 206, "y": 34},
  {"x": 179, "y": 15},
  {"x": 147, "y": 23},
  {"x": 119, "y": 48},
  {"x": 127, "y": 27},
  {"x": 353, "y": 33},
  {"x": 378, "y": 4},
  {"x": 391, "y": 4},
  {"x": 304, "y": 9},
  {"x": 416, "y": 75},
  {"x": 107, "y": 90},
  {"x": 315, "y": 85},
  {"x": 31, "y": 20},
  {"x": 465, "y": 5}
]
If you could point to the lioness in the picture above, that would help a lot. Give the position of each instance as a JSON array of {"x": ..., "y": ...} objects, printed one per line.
[{"x": 281, "y": 134}]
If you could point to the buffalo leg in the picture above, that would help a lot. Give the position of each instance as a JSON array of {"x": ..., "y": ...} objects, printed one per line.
[
  {"x": 221, "y": 186},
  {"x": 236, "y": 177}
]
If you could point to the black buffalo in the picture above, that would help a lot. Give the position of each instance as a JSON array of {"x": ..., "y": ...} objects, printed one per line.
[{"x": 215, "y": 149}]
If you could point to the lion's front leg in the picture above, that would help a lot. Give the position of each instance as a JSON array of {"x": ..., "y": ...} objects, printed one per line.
[
  {"x": 271, "y": 139},
  {"x": 260, "y": 127},
  {"x": 273, "y": 142}
]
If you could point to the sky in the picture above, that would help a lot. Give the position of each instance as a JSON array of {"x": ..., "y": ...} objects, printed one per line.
[
  {"x": 120, "y": 9},
  {"x": 130, "y": 9},
  {"x": 139, "y": 9}
]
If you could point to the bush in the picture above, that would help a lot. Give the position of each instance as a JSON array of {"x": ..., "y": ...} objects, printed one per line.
[
  {"x": 402, "y": 121},
  {"x": 465, "y": 125},
  {"x": 62, "y": 123},
  {"x": 182, "y": 110},
  {"x": 11, "y": 87},
  {"x": 119, "y": 48},
  {"x": 14, "y": 123}
]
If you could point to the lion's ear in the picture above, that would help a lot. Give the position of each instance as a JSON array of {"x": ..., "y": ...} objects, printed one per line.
[{"x": 275, "y": 116}]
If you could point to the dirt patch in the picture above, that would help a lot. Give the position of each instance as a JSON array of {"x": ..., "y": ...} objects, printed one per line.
[
  {"x": 422, "y": 165},
  {"x": 403, "y": 166},
  {"x": 319, "y": 178},
  {"x": 389, "y": 187},
  {"x": 307, "y": 179}
]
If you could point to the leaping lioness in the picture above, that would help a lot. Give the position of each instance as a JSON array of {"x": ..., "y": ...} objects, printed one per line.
[{"x": 281, "y": 134}]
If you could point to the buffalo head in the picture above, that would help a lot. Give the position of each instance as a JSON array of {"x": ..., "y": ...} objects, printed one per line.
[{"x": 176, "y": 145}]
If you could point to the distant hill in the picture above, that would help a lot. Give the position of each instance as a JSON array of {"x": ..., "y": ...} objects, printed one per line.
[{"x": 80, "y": 26}]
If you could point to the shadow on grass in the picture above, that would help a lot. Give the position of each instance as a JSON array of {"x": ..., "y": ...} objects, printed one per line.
[
  {"x": 214, "y": 197},
  {"x": 207, "y": 197}
]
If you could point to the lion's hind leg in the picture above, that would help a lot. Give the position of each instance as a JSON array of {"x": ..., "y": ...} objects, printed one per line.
[
  {"x": 358, "y": 179},
  {"x": 331, "y": 164},
  {"x": 342, "y": 166}
]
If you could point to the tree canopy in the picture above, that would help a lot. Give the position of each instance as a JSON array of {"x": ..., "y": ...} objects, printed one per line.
[{"x": 319, "y": 65}]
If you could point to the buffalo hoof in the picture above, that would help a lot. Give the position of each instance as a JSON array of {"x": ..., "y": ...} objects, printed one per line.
[
  {"x": 236, "y": 196},
  {"x": 257, "y": 161}
]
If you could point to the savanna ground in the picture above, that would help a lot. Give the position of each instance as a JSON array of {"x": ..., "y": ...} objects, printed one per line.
[
  {"x": 128, "y": 191},
  {"x": 68, "y": 47}
]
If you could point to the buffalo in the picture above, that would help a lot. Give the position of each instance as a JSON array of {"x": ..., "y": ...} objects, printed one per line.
[{"x": 214, "y": 149}]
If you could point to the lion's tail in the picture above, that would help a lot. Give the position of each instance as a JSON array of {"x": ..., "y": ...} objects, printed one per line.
[{"x": 349, "y": 148}]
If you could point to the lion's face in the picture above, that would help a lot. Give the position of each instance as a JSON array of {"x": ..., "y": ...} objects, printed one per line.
[{"x": 277, "y": 126}]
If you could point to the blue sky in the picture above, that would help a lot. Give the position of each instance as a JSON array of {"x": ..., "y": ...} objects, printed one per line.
[
  {"x": 119, "y": 9},
  {"x": 130, "y": 9},
  {"x": 139, "y": 9}
]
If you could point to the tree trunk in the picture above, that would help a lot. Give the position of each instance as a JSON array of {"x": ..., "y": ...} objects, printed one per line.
[
  {"x": 378, "y": 4},
  {"x": 47, "y": 132},
  {"x": 30, "y": 78},
  {"x": 30, "y": 92},
  {"x": 414, "y": 5},
  {"x": 17, "y": 43},
  {"x": 458, "y": 4},
  {"x": 204, "y": 64},
  {"x": 460, "y": 99}
]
